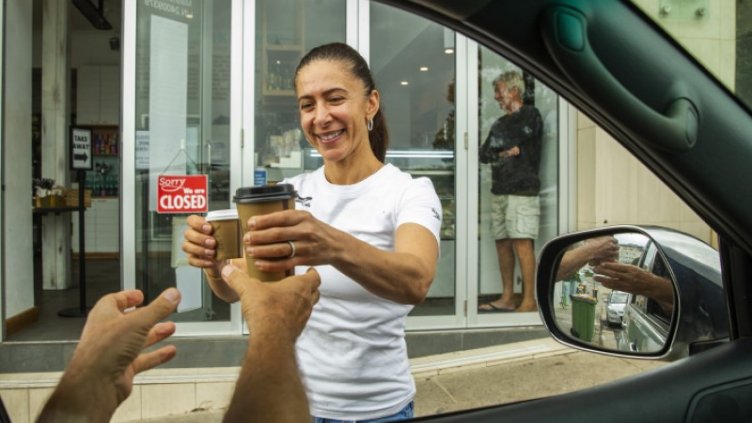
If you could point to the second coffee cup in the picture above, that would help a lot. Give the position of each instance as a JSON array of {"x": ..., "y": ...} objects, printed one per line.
[
  {"x": 227, "y": 233},
  {"x": 255, "y": 201}
]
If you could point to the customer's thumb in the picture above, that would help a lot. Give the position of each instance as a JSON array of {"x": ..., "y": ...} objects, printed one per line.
[
  {"x": 237, "y": 279},
  {"x": 161, "y": 307}
]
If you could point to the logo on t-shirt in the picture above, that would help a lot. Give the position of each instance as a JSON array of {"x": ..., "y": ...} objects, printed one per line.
[
  {"x": 304, "y": 201},
  {"x": 436, "y": 214}
]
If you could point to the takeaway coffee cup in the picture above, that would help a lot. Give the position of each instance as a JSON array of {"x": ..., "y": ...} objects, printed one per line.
[
  {"x": 255, "y": 201},
  {"x": 227, "y": 233}
]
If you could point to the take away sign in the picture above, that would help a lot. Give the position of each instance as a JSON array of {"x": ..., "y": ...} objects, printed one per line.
[{"x": 182, "y": 194}]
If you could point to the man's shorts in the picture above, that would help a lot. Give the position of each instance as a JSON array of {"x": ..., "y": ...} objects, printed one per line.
[{"x": 515, "y": 216}]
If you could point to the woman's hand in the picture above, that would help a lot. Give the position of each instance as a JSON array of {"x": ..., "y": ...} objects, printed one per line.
[
  {"x": 201, "y": 248},
  {"x": 602, "y": 249},
  {"x": 200, "y": 245},
  {"x": 272, "y": 237}
]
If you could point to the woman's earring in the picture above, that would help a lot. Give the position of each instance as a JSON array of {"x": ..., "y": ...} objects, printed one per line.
[{"x": 369, "y": 125}]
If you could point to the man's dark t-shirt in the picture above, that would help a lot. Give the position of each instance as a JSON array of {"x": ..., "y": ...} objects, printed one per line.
[{"x": 516, "y": 175}]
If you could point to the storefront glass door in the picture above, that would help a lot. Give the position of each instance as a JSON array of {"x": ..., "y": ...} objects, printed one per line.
[
  {"x": 437, "y": 90},
  {"x": 413, "y": 61},
  {"x": 517, "y": 146},
  {"x": 208, "y": 91},
  {"x": 179, "y": 145}
]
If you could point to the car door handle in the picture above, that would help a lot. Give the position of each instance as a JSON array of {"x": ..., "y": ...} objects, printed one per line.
[{"x": 565, "y": 33}]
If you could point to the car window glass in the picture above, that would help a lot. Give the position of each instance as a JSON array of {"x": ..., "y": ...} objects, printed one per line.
[
  {"x": 618, "y": 297},
  {"x": 717, "y": 33},
  {"x": 660, "y": 268},
  {"x": 437, "y": 88},
  {"x": 649, "y": 257}
]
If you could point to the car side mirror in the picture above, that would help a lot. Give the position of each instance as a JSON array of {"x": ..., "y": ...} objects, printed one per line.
[{"x": 632, "y": 291}]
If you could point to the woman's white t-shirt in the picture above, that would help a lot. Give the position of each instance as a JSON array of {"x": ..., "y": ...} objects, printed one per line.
[{"x": 352, "y": 353}]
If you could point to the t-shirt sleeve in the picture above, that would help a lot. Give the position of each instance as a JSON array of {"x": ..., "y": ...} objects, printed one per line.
[{"x": 420, "y": 204}]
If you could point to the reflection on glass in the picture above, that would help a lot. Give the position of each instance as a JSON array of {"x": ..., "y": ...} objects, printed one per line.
[
  {"x": 182, "y": 128},
  {"x": 286, "y": 30},
  {"x": 415, "y": 76},
  {"x": 615, "y": 292},
  {"x": 518, "y": 181}
]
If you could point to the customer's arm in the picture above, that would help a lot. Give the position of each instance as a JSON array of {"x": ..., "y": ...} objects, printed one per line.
[
  {"x": 269, "y": 388},
  {"x": 634, "y": 279},
  {"x": 109, "y": 355}
]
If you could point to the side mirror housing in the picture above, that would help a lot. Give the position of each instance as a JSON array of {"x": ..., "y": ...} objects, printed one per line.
[{"x": 636, "y": 291}]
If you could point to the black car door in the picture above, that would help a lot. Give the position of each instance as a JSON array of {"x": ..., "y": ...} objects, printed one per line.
[{"x": 614, "y": 64}]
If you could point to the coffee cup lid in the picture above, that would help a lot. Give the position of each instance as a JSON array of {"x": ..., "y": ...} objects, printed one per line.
[
  {"x": 225, "y": 214},
  {"x": 264, "y": 193}
]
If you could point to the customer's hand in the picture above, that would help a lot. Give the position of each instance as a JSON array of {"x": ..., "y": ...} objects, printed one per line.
[
  {"x": 269, "y": 388},
  {"x": 110, "y": 353},
  {"x": 284, "y": 306},
  {"x": 636, "y": 280}
]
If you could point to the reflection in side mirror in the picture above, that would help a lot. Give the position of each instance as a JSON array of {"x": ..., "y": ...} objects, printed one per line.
[{"x": 614, "y": 292}]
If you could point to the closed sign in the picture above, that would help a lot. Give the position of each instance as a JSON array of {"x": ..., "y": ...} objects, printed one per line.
[{"x": 182, "y": 194}]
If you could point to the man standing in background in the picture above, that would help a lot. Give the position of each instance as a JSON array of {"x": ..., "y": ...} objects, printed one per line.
[{"x": 513, "y": 148}]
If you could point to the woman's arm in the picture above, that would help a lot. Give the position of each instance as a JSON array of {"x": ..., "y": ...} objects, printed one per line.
[
  {"x": 403, "y": 275},
  {"x": 595, "y": 250}
]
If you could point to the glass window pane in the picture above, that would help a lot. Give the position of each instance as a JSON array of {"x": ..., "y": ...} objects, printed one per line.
[
  {"x": 518, "y": 171},
  {"x": 412, "y": 60},
  {"x": 285, "y": 31},
  {"x": 182, "y": 128}
]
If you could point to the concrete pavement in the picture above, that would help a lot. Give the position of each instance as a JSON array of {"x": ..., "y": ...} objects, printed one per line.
[
  {"x": 517, "y": 372},
  {"x": 494, "y": 375}
]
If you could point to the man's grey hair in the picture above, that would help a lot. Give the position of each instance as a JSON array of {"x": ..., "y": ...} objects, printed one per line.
[{"x": 512, "y": 79}]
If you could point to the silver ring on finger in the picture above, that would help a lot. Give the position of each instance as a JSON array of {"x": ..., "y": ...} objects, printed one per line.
[{"x": 292, "y": 249}]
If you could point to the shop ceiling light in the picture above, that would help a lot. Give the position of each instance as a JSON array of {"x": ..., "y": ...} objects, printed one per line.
[
  {"x": 448, "y": 41},
  {"x": 92, "y": 13}
]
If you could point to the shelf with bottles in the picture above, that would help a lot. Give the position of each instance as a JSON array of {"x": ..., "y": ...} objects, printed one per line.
[
  {"x": 445, "y": 189},
  {"x": 282, "y": 45},
  {"x": 103, "y": 179},
  {"x": 103, "y": 186},
  {"x": 279, "y": 64},
  {"x": 105, "y": 141}
]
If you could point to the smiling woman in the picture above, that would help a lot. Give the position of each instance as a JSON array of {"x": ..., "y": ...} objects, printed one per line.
[
  {"x": 371, "y": 231},
  {"x": 340, "y": 113}
]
